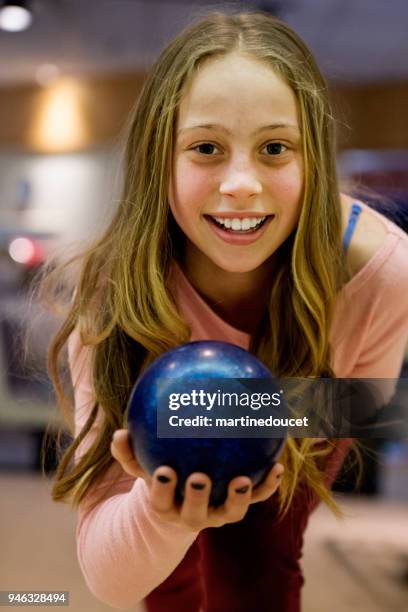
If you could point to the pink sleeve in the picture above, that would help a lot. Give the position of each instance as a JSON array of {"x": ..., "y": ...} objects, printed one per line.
[
  {"x": 124, "y": 548},
  {"x": 386, "y": 338}
]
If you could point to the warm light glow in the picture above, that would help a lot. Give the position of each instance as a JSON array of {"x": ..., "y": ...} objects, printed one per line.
[
  {"x": 15, "y": 18},
  {"x": 59, "y": 124}
]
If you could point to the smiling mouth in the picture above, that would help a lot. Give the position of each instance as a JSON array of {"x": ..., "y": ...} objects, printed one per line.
[{"x": 237, "y": 226}]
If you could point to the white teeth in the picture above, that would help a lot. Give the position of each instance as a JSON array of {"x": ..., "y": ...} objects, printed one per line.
[{"x": 240, "y": 224}]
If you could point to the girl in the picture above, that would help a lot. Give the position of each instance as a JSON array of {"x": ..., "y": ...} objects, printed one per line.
[{"x": 231, "y": 227}]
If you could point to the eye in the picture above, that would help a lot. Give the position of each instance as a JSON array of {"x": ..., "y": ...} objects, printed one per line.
[
  {"x": 207, "y": 148},
  {"x": 275, "y": 148}
]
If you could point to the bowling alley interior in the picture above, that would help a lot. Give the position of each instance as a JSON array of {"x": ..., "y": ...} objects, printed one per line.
[{"x": 71, "y": 74}]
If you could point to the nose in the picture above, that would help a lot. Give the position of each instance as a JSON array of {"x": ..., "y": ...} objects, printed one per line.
[{"x": 240, "y": 182}]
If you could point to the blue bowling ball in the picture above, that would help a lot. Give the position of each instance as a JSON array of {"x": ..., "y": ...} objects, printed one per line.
[{"x": 222, "y": 459}]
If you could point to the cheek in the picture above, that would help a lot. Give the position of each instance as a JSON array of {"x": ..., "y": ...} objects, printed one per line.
[
  {"x": 287, "y": 187},
  {"x": 287, "y": 193},
  {"x": 191, "y": 186}
]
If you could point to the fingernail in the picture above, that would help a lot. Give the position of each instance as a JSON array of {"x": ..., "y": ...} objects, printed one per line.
[
  {"x": 199, "y": 486},
  {"x": 242, "y": 489},
  {"x": 162, "y": 478}
]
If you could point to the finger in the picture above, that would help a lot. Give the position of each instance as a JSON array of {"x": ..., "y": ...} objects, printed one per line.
[
  {"x": 162, "y": 489},
  {"x": 268, "y": 487},
  {"x": 194, "y": 510},
  {"x": 237, "y": 502},
  {"x": 122, "y": 452}
]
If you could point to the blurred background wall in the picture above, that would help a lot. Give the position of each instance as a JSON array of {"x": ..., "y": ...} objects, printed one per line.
[{"x": 68, "y": 81}]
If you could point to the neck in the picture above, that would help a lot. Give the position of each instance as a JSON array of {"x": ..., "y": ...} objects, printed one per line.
[{"x": 239, "y": 298}]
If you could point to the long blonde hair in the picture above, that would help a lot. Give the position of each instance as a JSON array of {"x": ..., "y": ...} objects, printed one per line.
[{"x": 121, "y": 305}]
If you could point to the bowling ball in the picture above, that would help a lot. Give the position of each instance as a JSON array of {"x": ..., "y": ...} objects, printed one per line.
[{"x": 222, "y": 459}]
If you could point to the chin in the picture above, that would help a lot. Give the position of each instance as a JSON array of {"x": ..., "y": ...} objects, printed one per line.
[{"x": 238, "y": 267}]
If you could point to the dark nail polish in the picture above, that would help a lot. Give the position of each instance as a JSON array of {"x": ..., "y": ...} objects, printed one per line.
[
  {"x": 242, "y": 489},
  {"x": 199, "y": 486},
  {"x": 162, "y": 478}
]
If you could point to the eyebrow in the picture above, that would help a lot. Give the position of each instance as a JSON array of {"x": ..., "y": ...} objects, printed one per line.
[{"x": 221, "y": 128}]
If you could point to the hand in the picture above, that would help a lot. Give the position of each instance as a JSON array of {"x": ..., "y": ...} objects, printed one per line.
[{"x": 194, "y": 512}]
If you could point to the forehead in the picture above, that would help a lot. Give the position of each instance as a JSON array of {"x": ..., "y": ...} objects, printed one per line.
[{"x": 237, "y": 85}]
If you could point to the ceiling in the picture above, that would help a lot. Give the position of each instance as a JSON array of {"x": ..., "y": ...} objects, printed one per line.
[{"x": 353, "y": 40}]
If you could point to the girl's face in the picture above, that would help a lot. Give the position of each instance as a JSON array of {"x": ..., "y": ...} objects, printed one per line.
[{"x": 237, "y": 159}]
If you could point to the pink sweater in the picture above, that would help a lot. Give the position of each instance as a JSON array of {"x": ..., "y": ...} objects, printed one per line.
[{"x": 125, "y": 550}]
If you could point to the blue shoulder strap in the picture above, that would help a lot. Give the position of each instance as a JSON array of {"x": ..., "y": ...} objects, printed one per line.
[{"x": 354, "y": 214}]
